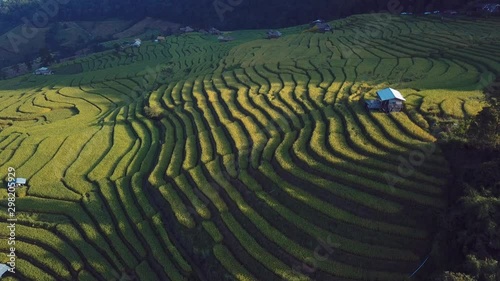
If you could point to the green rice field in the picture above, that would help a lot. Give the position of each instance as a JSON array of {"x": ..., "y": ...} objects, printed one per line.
[{"x": 263, "y": 163}]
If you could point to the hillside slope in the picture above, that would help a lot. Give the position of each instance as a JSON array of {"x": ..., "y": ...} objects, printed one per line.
[
  {"x": 68, "y": 37},
  {"x": 254, "y": 159}
]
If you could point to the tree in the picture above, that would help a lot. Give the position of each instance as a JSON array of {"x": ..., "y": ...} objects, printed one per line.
[
  {"x": 482, "y": 269},
  {"x": 46, "y": 56},
  {"x": 15, "y": 67},
  {"x": 116, "y": 46},
  {"x": 80, "y": 41},
  {"x": 29, "y": 64},
  {"x": 454, "y": 276},
  {"x": 484, "y": 131}
]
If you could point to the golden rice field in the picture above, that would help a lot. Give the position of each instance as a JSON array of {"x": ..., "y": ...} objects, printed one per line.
[{"x": 264, "y": 164}]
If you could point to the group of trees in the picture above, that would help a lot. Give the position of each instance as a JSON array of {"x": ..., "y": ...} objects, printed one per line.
[
  {"x": 46, "y": 57},
  {"x": 484, "y": 131},
  {"x": 468, "y": 244}
]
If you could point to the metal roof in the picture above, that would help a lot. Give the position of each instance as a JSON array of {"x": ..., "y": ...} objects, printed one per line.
[
  {"x": 20, "y": 181},
  {"x": 3, "y": 268},
  {"x": 389, "y": 94}
]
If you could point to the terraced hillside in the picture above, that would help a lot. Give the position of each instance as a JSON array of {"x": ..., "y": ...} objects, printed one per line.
[{"x": 261, "y": 162}]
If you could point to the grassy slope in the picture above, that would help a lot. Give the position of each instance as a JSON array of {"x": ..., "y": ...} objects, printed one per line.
[{"x": 264, "y": 153}]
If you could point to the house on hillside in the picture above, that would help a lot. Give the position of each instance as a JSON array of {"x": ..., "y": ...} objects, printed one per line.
[
  {"x": 225, "y": 38},
  {"x": 388, "y": 100},
  {"x": 186, "y": 29},
  {"x": 214, "y": 31},
  {"x": 272, "y": 34},
  {"x": 315, "y": 22},
  {"x": 319, "y": 26},
  {"x": 137, "y": 43},
  {"x": 43, "y": 71},
  {"x": 4, "y": 268},
  {"x": 20, "y": 182}
]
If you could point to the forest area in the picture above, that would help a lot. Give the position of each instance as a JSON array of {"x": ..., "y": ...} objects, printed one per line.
[
  {"x": 230, "y": 14},
  {"x": 468, "y": 242}
]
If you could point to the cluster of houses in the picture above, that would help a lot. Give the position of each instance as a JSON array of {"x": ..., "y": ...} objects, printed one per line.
[
  {"x": 473, "y": 9},
  {"x": 491, "y": 8},
  {"x": 484, "y": 8},
  {"x": 318, "y": 26}
]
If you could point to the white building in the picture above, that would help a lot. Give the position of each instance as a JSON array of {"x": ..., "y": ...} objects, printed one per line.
[
  {"x": 43, "y": 71},
  {"x": 3, "y": 268},
  {"x": 21, "y": 182},
  {"x": 137, "y": 43}
]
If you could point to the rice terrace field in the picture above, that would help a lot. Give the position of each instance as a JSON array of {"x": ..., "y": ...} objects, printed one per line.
[{"x": 255, "y": 159}]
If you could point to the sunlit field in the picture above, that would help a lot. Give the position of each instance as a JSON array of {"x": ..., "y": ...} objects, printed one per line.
[{"x": 254, "y": 159}]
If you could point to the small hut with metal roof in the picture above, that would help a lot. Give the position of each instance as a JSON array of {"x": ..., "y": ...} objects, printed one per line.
[{"x": 388, "y": 100}]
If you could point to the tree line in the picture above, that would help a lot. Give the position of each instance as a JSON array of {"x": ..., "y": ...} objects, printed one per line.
[
  {"x": 235, "y": 14},
  {"x": 467, "y": 245}
]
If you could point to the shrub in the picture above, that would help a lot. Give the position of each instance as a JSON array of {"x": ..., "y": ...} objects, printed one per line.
[{"x": 153, "y": 112}]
